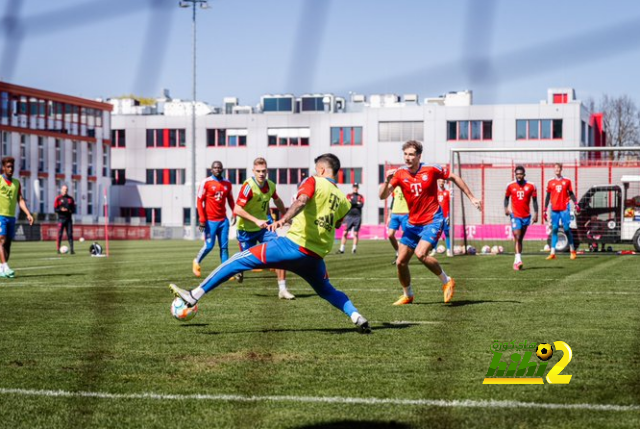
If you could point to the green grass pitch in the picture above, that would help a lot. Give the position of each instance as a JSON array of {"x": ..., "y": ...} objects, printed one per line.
[{"x": 83, "y": 340}]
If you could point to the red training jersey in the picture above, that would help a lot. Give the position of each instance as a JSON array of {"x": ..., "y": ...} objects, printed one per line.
[
  {"x": 213, "y": 194},
  {"x": 421, "y": 191},
  {"x": 443, "y": 200},
  {"x": 559, "y": 189},
  {"x": 521, "y": 195}
]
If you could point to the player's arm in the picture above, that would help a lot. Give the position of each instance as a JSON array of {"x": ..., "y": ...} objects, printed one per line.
[
  {"x": 280, "y": 205},
  {"x": 202, "y": 218},
  {"x": 535, "y": 209},
  {"x": 386, "y": 188},
  {"x": 23, "y": 206},
  {"x": 545, "y": 210},
  {"x": 507, "y": 212},
  {"x": 465, "y": 189},
  {"x": 232, "y": 206},
  {"x": 240, "y": 211}
]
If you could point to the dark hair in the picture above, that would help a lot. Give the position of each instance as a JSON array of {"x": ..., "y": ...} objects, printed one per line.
[
  {"x": 8, "y": 159},
  {"x": 331, "y": 160},
  {"x": 519, "y": 168},
  {"x": 414, "y": 144},
  {"x": 216, "y": 162},
  {"x": 558, "y": 164}
]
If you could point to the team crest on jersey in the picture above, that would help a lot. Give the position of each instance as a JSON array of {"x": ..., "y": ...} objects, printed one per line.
[{"x": 425, "y": 177}]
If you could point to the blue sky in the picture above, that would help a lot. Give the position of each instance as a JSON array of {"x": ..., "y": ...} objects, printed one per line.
[{"x": 505, "y": 51}]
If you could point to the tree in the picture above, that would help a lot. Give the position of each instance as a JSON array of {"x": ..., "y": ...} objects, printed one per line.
[{"x": 621, "y": 121}]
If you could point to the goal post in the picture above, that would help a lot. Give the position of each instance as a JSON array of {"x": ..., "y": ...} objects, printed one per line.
[{"x": 604, "y": 183}]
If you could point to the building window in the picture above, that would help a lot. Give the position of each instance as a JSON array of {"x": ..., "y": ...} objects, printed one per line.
[
  {"x": 25, "y": 188},
  {"x": 237, "y": 176},
  {"x": 288, "y": 176},
  {"x": 90, "y": 160},
  {"x": 43, "y": 196},
  {"x": 226, "y": 137},
  {"x": 90, "y": 198},
  {"x": 5, "y": 144},
  {"x": 469, "y": 130},
  {"x": 539, "y": 129},
  {"x": 76, "y": 194},
  {"x": 118, "y": 177},
  {"x": 312, "y": 104},
  {"x": 350, "y": 175},
  {"x": 277, "y": 104},
  {"x": 186, "y": 216},
  {"x": 59, "y": 156},
  {"x": 24, "y": 152},
  {"x": 105, "y": 160},
  {"x": 74, "y": 158},
  {"x": 150, "y": 215},
  {"x": 346, "y": 136},
  {"x": 288, "y": 136},
  {"x": 166, "y": 176},
  {"x": 118, "y": 138},
  {"x": 165, "y": 137},
  {"x": 400, "y": 131},
  {"x": 42, "y": 155},
  {"x": 560, "y": 98}
]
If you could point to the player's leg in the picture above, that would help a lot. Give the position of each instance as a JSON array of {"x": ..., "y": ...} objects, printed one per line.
[
  {"x": 555, "y": 225},
  {"x": 408, "y": 243},
  {"x": 60, "y": 232},
  {"x": 356, "y": 232},
  {"x": 428, "y": 240},
  {"x": 566, "y": 225},
  {"x": 210, "y": 228},
  {"x": 314, "y": 272},
  {"x": 69, "y": 228},
  {"x": 447, "y": 238},
  {"x": 343, "y": 240},
  {"x": 392, "y": 228},
  {"x": 283, "y": 293},
  {"x": 10, "y": 235},
  {"x": 246, "y": 240},
  {"x": 3, "y": 257},
  {"x": 223, "y": 239},
  {"x": 516, "y": 229}
]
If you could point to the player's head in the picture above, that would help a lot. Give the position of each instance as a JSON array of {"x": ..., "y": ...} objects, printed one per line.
[
  {"x": 64, "y": 189},
  {"x": 412, "y": 151},
  {"x": 8, "y": 162},
  {"x": 327, "y": 165},
  {"x": 519, "y": 173},
  {"x": 356, "y": 186},
  {"x": 441, "y": 183},
  {"x": 558, "y": 168},
  {"x": 260, "y": 169},
  {"x": 217, "y": 168}
]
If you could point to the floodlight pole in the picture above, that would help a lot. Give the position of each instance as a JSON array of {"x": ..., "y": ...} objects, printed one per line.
[{"x": 193, "y": 213}]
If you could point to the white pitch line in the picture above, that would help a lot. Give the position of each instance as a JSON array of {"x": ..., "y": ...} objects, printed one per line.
[{"x": 464, "y": 403}]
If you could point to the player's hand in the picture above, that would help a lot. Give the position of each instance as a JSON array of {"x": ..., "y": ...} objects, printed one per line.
[
  {"x": 447, "y": 221},
  {"x": 63, "y": 209},
  {"x": 233, "y": 220},
  {"x": 390, "y": 173},
  {"x": 535, "y": 217},
  {"x": 545, "y": 217},
  {"x": 578, "y": 209},
  {"x": 507, "y": 212},
  {"x": 275, "y": 225},
  {"x": 477, "y": 203},
  {"x": 201, "y": 226},
  {"x": 263, "y": 224},
  {"x": 30, "y": 219}
]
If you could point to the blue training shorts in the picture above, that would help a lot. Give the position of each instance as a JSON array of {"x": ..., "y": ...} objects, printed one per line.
[
  {"x": 249, "y": 239},
  {"x": 397, "y": 221},
  {"x": 8, "y": 227},
  {"x": 430, "y": 232},
  {"x": 519, "y": 222}
]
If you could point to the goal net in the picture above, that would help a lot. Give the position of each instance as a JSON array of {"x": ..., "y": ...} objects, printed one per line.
[{"x": 603, "y": 183}]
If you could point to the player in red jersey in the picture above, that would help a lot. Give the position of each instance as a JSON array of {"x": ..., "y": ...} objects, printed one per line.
[
  {"x": 521, "y": 193},
  {"x": 213, "y": 195},
  {"x": 419, "y": 185},
  {"x": 444, "y": 196},
  {"x": 560, "y": 193}
]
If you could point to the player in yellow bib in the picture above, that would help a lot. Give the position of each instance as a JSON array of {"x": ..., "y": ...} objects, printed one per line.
[
  {"x": 10, "y": 197},
  {"x": 318, "y": 210},
  {"x": 398, "y": 218},
  {"x": 252, "y": 210}
]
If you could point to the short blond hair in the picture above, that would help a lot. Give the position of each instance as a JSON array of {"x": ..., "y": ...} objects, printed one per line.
[{"x": 260, "y": 161}]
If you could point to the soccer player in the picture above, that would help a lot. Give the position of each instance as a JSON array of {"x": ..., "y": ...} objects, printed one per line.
[
  {"x": 418, "y": 182},
  {"x": 398, "y": 218},
  {"x": 521, "y": 193},
  {"x": 252, "y": 209},
  {"x": 560, "y": 193},
  {"x": 353, "y": 219},
  {"x": 318, "y": 210},
  {"x": 214, "y": 194},
  {"x": 444, "y": 200},
  {"x": 65, "y": 206},
  {"x": 10, "y": 196}
]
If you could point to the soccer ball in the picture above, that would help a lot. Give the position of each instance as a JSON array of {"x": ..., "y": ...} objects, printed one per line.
[
  {"x": 500, "y": 249},
  {"x": 181, "y": 312},
  {"x": 547, "y": 248},
  {"x": 81, "y": 239},
  {"x": 64, "y": 249},
  {"x": 471, "y": 250},
  {"x": 486, "y": 250},
  {"x": 441, "y": 249},
  {"x": 544, "y": 351},
  {"x": 494, "y": 250},
  {"x": 458, "y": 250}
]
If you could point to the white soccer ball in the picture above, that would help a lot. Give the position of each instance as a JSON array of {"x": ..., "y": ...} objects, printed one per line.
[
  {"x": 494, "y": 250},
  {"x": 500, "y": 249},
  {"x": 458, "y": 250},
  {"x": 181, "y": 312},
  {"x": 81, "y": 239},
  {"x": 64, "y": 249},
  {"x": 486, "y": 250},
  {"x": 547, "y": 248},
  {"x": 441, "y": 249}
]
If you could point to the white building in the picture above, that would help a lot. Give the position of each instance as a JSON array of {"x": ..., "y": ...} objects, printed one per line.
[
  {"x": 150, "y": 161},
  {"x": 57, "y": 139}
]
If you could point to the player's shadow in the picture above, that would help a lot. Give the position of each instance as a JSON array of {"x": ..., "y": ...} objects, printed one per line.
[
  {"x": 465, "y": 302},
  {"x": 543, "y": 268},
  {"x": 298, "y": 295},
  {"x": 354, "y": 424},
  {"x": 339, "y": 331},
  {"x": 51, "y": 275}
]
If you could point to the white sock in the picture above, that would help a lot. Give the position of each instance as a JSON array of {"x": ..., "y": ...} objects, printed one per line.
[
  {"x": 408, "y": 291},
  {"x": 197, "y": 293},
  {"x": 282, "y": 285},
  {"x": 354, "y": 316},
  {"x": 4, "y": 266},
  {"x": 354, "y": 247},
  {"x": 444, "y": 278},
  {"x": 396, "y": 254},
  {"x": 572, "y": 249},
  {"x": 553, "y": 251},
  {"x": 518, "y": 258},
  {"x": 342, "y": 247}
]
